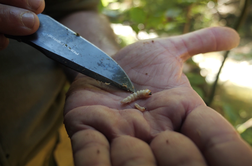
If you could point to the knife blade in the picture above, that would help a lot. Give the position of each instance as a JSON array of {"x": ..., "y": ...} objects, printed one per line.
[{"x": 67, "y": 47}]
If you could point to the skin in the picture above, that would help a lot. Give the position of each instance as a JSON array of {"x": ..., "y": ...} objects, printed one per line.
[
  {"x": 18, "y": 17},
  {"x": 177, "y": 128}
]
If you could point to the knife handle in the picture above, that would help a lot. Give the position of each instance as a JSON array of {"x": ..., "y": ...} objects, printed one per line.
[
  {"x": 27, "y": 39},
  {"x": 18, "y": 38}
]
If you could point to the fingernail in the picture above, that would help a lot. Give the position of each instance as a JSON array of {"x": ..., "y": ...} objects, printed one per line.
[
  {"x": 34, "y": 4},
  {"x": 28, "y": 19}
]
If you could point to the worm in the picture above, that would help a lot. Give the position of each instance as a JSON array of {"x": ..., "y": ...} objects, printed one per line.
[
  {"x": 137, "y": 95},
  {"x": 142, "y": 109}
]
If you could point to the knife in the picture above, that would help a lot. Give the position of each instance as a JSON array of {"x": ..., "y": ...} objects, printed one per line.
[{"x": 67, "y": 47}]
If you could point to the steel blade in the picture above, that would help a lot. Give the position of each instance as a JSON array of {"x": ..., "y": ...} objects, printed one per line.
[{"x": 69, "y": 48}]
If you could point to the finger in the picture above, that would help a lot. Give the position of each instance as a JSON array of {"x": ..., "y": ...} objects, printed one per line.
[
  {"x": 109, "y": 122},
  {"x": 172, "y": 148},
  {"x": 90, "y": 148},
  {"x": 205, "y": 40},
  {"x": 16, "y": 21},
  {"x": 216, "y": 138},
  {"x": 127, "y": 150},
  {"x": 3, "y": 42},
  {"x": 37, "y": 6}
]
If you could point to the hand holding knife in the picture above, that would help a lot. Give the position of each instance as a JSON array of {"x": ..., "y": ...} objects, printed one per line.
[{"x": 63, "y": 45}]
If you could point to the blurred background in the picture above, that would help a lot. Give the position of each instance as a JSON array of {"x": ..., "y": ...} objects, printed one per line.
[{"x": 222, "y": 79}]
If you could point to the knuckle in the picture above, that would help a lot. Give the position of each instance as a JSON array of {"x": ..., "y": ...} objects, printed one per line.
[{"x": 36, "y": 6}]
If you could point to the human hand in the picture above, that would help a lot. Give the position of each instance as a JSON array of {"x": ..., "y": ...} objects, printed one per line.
[
  {"x": 179, "y": 128},
  {"x": 18, "y": 17}
]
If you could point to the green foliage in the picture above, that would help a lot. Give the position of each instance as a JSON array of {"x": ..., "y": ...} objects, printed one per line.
[
  {"x": 161, "y": 16},
  {"x": 234, "y": 103},
  {"x": 197, "y": 81},
  {"x": 247, "y": 135},
  {"x": 230, "y": 114}
]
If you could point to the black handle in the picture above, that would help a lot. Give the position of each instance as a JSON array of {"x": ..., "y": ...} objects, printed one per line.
[{"x": 18, "y": 38}]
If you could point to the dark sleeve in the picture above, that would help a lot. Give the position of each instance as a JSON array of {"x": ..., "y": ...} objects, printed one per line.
[{"x": 60, "y": 8}]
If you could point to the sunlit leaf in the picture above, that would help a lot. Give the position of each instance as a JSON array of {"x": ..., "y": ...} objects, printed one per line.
[
  {"x": 135, "y": 27},
  {"x": 106, "y": 2},
  {"x": 137, "y": 15}
]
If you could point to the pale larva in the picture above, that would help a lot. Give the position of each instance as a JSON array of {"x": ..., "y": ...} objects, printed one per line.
[
  {"x": 137, "y": 95},
  {"x": 139, "y": 107}
]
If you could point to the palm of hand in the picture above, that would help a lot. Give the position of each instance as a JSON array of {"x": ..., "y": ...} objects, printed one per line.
[
  {"x": 103, "y": 130},
  {"x": 149, "y": 64}
]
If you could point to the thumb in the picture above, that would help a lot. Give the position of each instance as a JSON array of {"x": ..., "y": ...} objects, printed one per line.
[{"x": 205, "y": 40}]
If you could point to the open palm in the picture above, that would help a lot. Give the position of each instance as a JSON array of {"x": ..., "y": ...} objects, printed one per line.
[{"x": 155, "y": 65}]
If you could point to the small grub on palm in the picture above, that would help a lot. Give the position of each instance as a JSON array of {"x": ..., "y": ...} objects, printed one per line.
[
  {"x": 142, "y": 109},
  {"x": 137, "y": 95}
]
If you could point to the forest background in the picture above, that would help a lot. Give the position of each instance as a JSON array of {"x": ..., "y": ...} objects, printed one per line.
[{"x": 228, "y": 86}]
